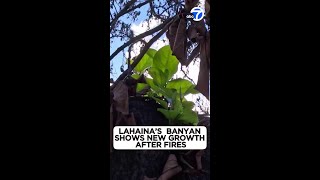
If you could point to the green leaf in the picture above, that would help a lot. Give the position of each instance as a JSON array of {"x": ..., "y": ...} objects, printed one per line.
[
  {"x": 188, "y": 117},
  {"x": 188, "y": 104},
  {"x": 169, "y": 114},
  {"x": 191, "y": 90},
  {"x": 166, "y": 75},
  {"x": 152, "y": 85},
  {"x": 170, "y": 94},
  {"x": 159, "y": 78},
  {"x": 151, "y": 52},
  {"x": 164, "y": 59},
  {"x": 141, "y": 86},
  {"x": 135, "y": 76},
  {"x": 180, "y": 83},
  {"x": 146, "y": 61},
  {"x": 177, "y": 105},
  {"x": 163, "y": 103}
]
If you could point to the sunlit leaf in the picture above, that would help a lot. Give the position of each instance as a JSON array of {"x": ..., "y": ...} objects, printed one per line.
[
  {"x": 180, "y": 83},
  {"x": 152, "y": 85},
  {"x": 159, "y": 78},
  {"x": 146, "y": 61},
  {"x": 164, "y": 59}
]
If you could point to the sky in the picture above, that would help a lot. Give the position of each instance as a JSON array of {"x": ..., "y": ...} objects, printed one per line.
[
  {"x": 119, "y": 59},
  {"x": 139, "y": 27}
]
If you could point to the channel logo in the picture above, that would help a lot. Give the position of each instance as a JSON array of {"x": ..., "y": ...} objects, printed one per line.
[{"x": 198, "y": 13}]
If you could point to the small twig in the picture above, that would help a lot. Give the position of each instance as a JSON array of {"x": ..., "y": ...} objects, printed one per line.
[
  {"x": 186, "y": 75},
  {"x": 201, "y": 109}
]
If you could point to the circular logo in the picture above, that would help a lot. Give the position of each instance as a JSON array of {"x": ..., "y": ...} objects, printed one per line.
[{"x": 198, "y": 13}]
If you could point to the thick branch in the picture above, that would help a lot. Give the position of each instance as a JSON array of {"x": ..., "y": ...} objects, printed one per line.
[
  {"x": 139, "y": 57},
  {"x": 140, "y": 36}
]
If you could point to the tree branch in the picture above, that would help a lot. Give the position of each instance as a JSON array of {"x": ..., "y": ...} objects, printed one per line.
[
  {"x": 140, "y": 36},
  {"x": 126, "y": 10},
  {"x": 153, "y": 12},
  {"x": 139, "y": 57},
  {"x": 121, "y": 13},
  {"x": 186, "y": 75}
]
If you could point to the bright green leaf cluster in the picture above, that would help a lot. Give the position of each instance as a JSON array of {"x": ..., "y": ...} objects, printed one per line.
[{"x": 161, "y": 66}]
